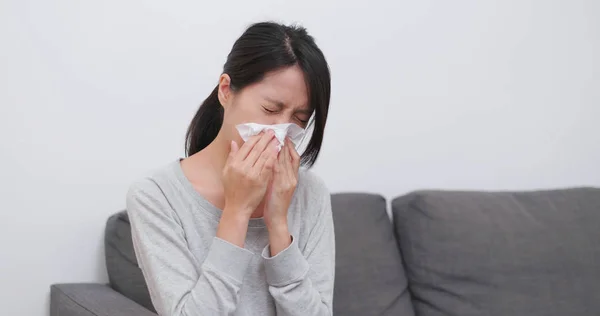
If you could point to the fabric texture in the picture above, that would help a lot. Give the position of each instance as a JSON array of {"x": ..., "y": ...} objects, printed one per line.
[
  {"x": 370, "y": 278},
  {"x": 189, "y": 271},
  {"x": 124, "y": 274},
  {"x": 497, "y": 254},
  {"x": 92, "y": 300}
]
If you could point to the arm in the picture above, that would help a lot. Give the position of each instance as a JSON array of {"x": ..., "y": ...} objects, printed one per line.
[
  {"x": 176, "y": 285},
  {"x": 301, "y": 281}
]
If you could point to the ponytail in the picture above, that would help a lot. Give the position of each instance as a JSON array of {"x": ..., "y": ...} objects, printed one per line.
[{"x": 205, "y": 125}]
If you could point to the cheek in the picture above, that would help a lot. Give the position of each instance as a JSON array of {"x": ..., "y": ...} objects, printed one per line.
[
  {"x": 252, "y": 112},
  {"x": 243, "y": 110}
]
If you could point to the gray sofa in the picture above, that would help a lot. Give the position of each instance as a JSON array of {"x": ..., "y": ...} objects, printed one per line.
[{"x": 444, "y": 253}]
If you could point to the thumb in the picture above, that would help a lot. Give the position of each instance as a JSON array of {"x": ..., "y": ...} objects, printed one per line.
[{"x": 233, "y": 149}]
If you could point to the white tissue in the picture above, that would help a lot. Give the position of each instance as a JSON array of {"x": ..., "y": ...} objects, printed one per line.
[{"x": 293, "y": 131}]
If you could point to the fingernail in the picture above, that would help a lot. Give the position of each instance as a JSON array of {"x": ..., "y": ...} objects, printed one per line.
[{"x": 271, "y": 132}]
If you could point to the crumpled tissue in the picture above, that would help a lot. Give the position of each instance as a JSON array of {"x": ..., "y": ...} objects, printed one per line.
[{"x": 291, "y": 130}]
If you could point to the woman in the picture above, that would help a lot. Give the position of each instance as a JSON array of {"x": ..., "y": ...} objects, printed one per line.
[{"x": 237, "y": 228}]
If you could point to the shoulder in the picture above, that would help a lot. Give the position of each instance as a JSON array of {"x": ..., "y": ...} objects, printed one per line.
[
  {"x": 311, "y": 183},
  {"x": 150, "y": 190},
  {"x": 312, "y": 189},
  {"x": 145, "y": 186},
  {"x": 151, "y": 182}
]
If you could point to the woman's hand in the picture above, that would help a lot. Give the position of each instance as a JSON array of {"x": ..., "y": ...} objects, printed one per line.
[
  {"x": 246, "y": 175},
  {"x": 279, "y": 196},
  {"x": 248, "y": 171}
]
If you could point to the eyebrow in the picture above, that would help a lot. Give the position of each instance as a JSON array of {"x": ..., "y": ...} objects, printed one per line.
[{"x": 281, "y": 105}]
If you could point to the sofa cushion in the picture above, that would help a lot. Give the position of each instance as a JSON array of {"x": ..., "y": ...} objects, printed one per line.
[
  {"x": 124, "y": 274},
  {"x": 497, "y": 254},
  {"x": 369, "y": 277}
]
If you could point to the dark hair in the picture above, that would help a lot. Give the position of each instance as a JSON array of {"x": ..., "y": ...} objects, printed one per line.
[{"x": 262, "y": 48}]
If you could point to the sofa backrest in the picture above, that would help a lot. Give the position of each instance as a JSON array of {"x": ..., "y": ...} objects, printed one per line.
[
  {"x": 518, "y": 254},
  {"x": 369, "y": 277},
  {"x": 124, "y": 274}
]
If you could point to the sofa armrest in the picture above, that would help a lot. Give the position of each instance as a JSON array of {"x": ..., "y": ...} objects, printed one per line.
[{"x": 88, "y": 299}]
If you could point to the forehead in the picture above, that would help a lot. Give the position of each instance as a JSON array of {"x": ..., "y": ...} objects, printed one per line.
[{"x": 286, "y": 85}]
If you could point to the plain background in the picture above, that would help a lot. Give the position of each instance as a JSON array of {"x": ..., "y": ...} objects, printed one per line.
[{"x": 494, "y": 95}]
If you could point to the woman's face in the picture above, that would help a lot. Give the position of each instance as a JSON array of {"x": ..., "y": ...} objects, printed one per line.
[{"x": 281, "y": 97}]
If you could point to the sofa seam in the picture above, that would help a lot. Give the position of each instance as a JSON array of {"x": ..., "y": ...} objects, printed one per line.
[{"x": 76, "y": 302}]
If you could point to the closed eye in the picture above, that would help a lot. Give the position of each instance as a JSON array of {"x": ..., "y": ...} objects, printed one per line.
[
  {"x": 268, "y": 110},
  {"x": 302, "y": 121}
]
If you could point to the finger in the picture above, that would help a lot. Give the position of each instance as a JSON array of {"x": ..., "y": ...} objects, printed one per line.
[
  {"x": 277, "y": 164},
  {"x": 233, "y": 149},
  {"x": 263, "y": 159},
  {"x": 267, "y": 169},
  {"x": 281, "y": 159},
  {"x": 271, "y": 148},
  {"x": 286, "y": 151},
  {"x": 286, "y": 160},
  {"x": 259, "y": 148},
  {"x": 295, "y": 156},
  {"x": 248, "y": 146},
  {"x": 292, "y": 165}
]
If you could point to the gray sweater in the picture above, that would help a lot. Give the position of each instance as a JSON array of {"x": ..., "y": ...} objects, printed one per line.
[{"x": 189, "y": 271}]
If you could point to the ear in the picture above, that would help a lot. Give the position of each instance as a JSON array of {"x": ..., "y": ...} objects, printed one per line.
[{"x": 225, "y": 91}]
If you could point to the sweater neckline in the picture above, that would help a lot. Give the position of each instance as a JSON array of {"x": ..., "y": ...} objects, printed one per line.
[{"x": 204, "y": 204}]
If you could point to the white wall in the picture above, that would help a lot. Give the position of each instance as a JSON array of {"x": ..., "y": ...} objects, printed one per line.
[{"x": 470, "y": 94}]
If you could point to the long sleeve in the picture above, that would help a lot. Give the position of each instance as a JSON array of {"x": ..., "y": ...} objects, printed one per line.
[
  {"x": 301, "y": 280},
  {"x": 177, "y": 286}
]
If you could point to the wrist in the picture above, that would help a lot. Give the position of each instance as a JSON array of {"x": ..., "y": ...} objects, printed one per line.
[
  {"x": 237, "y": 212},
  {"x": 276, "y": 222},
  {"x": 235, "y": 217},
  {"x": 279, "y": 238},
  {"x": 233, "y": 227},
  {"x": 278, "y": 230}
]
